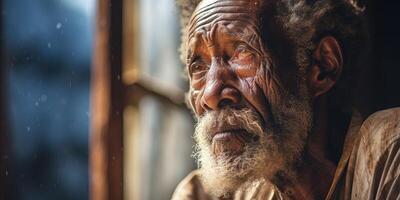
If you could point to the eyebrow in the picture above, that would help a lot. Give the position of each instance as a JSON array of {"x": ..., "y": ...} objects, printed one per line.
[
  {"x": 237, "y": 37},
  {"x": 191, "y": 52}
]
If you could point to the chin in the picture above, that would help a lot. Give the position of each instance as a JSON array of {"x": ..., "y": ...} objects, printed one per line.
[{"x": 222, "y": 174}]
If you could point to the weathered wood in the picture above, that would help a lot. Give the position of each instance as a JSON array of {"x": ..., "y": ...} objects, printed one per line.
[
  {"x": 146, "y": 86},
  {"x": 106, "y": 107}
]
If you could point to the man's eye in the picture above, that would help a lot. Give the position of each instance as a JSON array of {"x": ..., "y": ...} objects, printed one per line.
[
  {"x": 197, "y": 67},
  {"x": 242, "y": 54}
]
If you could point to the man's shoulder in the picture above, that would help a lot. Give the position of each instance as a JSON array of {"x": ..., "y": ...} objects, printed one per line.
[
  {"x": 381, "y": 128},
  {"x": 373, "y": 164},
  {"x": 190, "y": 188}
]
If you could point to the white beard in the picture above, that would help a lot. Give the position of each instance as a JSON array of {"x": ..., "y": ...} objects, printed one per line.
[{"x": 276, "y": 150}]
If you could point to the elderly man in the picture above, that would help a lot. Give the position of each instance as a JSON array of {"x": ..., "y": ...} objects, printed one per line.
[{"x": 271, "y": 85}]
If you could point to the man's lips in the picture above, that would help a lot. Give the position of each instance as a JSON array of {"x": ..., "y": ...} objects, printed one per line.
[
  {"x": 222, "y": 135},
  {"x": 230, "y": 141},
  {"x": 225, "y": 134}
]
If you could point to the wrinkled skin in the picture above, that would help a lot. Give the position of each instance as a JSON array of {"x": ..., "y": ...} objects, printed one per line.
[
  {"x": 227, "y": 62},
  {"x": 231, "y": 66}
]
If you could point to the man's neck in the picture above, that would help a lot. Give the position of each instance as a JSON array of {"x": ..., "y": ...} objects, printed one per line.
[
  {"x": 310, "y": 180},
  {"x": 313, "y": 176}
]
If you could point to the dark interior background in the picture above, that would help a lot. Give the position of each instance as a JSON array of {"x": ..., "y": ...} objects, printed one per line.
[{"x": 384, "y": 17}]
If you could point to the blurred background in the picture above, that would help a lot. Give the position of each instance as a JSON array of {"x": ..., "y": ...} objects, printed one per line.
[
  {"x": 92, "y": 96},
  {"x": 47, "y": 48},
  {"x": 47, "y": 56}
]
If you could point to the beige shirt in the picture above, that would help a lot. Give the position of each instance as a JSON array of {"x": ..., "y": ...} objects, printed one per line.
[{"x": 368, "y": 169}]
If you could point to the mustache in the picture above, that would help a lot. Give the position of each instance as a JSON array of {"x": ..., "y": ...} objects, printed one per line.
[{"x": 228, "y": 119}]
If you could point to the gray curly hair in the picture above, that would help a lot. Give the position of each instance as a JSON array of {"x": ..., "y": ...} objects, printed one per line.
[{"x": 304, "y": 23}]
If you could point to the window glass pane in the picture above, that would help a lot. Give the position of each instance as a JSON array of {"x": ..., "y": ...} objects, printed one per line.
[
  {"x": 159, "y": 33},
  {"x": 49, "y": 48}
]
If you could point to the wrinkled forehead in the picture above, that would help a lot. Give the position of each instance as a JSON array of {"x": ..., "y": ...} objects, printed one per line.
[{"x": 230, "y": 16}]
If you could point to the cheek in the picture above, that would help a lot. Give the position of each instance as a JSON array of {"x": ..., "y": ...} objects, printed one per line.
[
  {"x": 269, "y": 84},
  {"x": 254, "y": 95},
  {"x": 198, "y": 80},
  {"x": 194, "y": 98},
  {"x": 262, "y": 92}
]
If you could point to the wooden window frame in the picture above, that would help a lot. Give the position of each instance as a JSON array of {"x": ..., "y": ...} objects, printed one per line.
[{"x": 115, "y": 83}]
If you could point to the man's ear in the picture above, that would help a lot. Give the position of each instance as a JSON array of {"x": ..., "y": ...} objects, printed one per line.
[{"x": 327, "y": 67}]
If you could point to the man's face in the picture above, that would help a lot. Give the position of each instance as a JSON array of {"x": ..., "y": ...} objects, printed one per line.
[{"x": 249, "y": 125}]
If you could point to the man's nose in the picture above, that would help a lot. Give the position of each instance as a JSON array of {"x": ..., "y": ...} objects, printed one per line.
[{"x": 220, "y": 88}]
